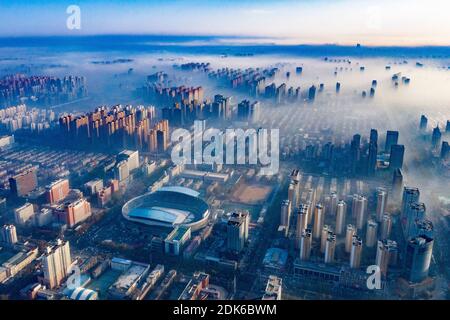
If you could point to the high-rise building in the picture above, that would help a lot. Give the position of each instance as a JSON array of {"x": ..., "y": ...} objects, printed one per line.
[
  {"x": 359, "y": 210},
  {"x": 56, "y": 262},
  {"x": 391, "y": 139},
  {"x": 57, "y": 191},
  {"x": 295, "y": 181},
  {"x": 23, "y": 183},
  {"x": 221, "y": 107},
  {"x": 291, "y": 193},
  {"x": 386, "y": 254},
  {"x": 373, "y": 151},
  {"x": 410, "y": 195},
  {"x": 318, "y": 220},
  {"x": 341, "y": 213},
  {"x": 350, "y": 231},
  {"x": 333, "y": 203},
  {"x": 423, "y": 228},
  {"x": 312, "y": 93},
  {"x": 445, "y": 150},
  {"x": 396, "y": 157},
  {"x": 373, "y": 139},
  {"x": 386, "y": 226},
  {"x": 418, "y": 258},
  {"x": 436, "y": 138},
  {"x": 330, "y": 247},
  {"x": 247, "y": 111},
  {"x": 382, "y": 198},
  {"x": 285, "y": 213},
  {"x": 397, "y": 183},
  {"x": 324, "y": 236},
  {"x": 423, "y": 123},
  {"x": 305, "y": 244},
  {"x": 355, "y": 153},
  {"x": 9, "y": 234},
  {"x": 355, "y": 255},
  {"x": 416, "y": 211},
  {"x": 371, "y": 233},
  {"x": 302, "y": 221},
  {"x": 237, "y": 231}
]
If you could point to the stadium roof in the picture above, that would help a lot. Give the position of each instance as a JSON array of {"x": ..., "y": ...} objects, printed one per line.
[
  {"x": 168, "y": 215},
  {"x": 184, "y": 190}
]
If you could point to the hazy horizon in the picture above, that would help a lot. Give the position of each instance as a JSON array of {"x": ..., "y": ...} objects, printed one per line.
[{"x": 374, "y": 23}]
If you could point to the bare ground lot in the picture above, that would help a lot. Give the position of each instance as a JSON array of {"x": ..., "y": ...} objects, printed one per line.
[{"x": 251, "y": 193}]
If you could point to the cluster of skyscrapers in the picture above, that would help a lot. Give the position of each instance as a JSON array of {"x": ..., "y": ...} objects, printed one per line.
[
  {"x": 316, "y": 237},
  {"x": 43, "y": 89},
  {"x": 116, "y": 127}
]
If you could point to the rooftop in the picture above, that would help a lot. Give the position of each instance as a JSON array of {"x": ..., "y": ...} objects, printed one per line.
[{"x": 178, "y": 233}]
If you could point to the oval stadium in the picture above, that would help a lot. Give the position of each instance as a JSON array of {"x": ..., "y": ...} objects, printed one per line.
[{"x": 168, "y": 207}]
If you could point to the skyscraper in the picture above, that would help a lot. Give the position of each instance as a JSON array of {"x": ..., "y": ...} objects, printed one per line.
[
  {"x": 330, "y": 247},
  {"x": 386, "y": 254},
  {"x": 391, "y": 139},
  {"x": 350, "y": 231},
  {"x": 302, "y": 221},
  {"x": 397, "y": 182},
  {"x": 410, "y": 195},
  {"x": 341, "y": 212},
  {"x": 355, "y": 255},
  {"x": 423, "y": 123},
  {"x": 386, "y": 226},
  {"x": 285, "y": 213},
  {"x": 305, "y": 245},
  {"x": 373, "y": 151},
  {"x": 324, "y": 236},
  {"x": 382, "y": 197},
  {"x": 355, "y": 153},
  {"x": 445, "y": 150},
  {"x": 418, "y": 257},
  {"x": 318, "y": 221},
  {"x": 423, "y": 228},
  {"x": 416, "y": 211},
  {"x": 56, "y": 262},
  {"x": 312, "y": 93},
  {"x": 359, "y": 210},
  {"x": 333, "y": 203},
  {"x": 436, "y": 138},
  {"x": 237, "y": 231},
  {"x": 396, "y": 156},
  {"x": 371, "y": 233}
]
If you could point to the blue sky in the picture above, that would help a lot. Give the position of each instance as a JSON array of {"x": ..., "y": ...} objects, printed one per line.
[{"x": 382, "y": 22}]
